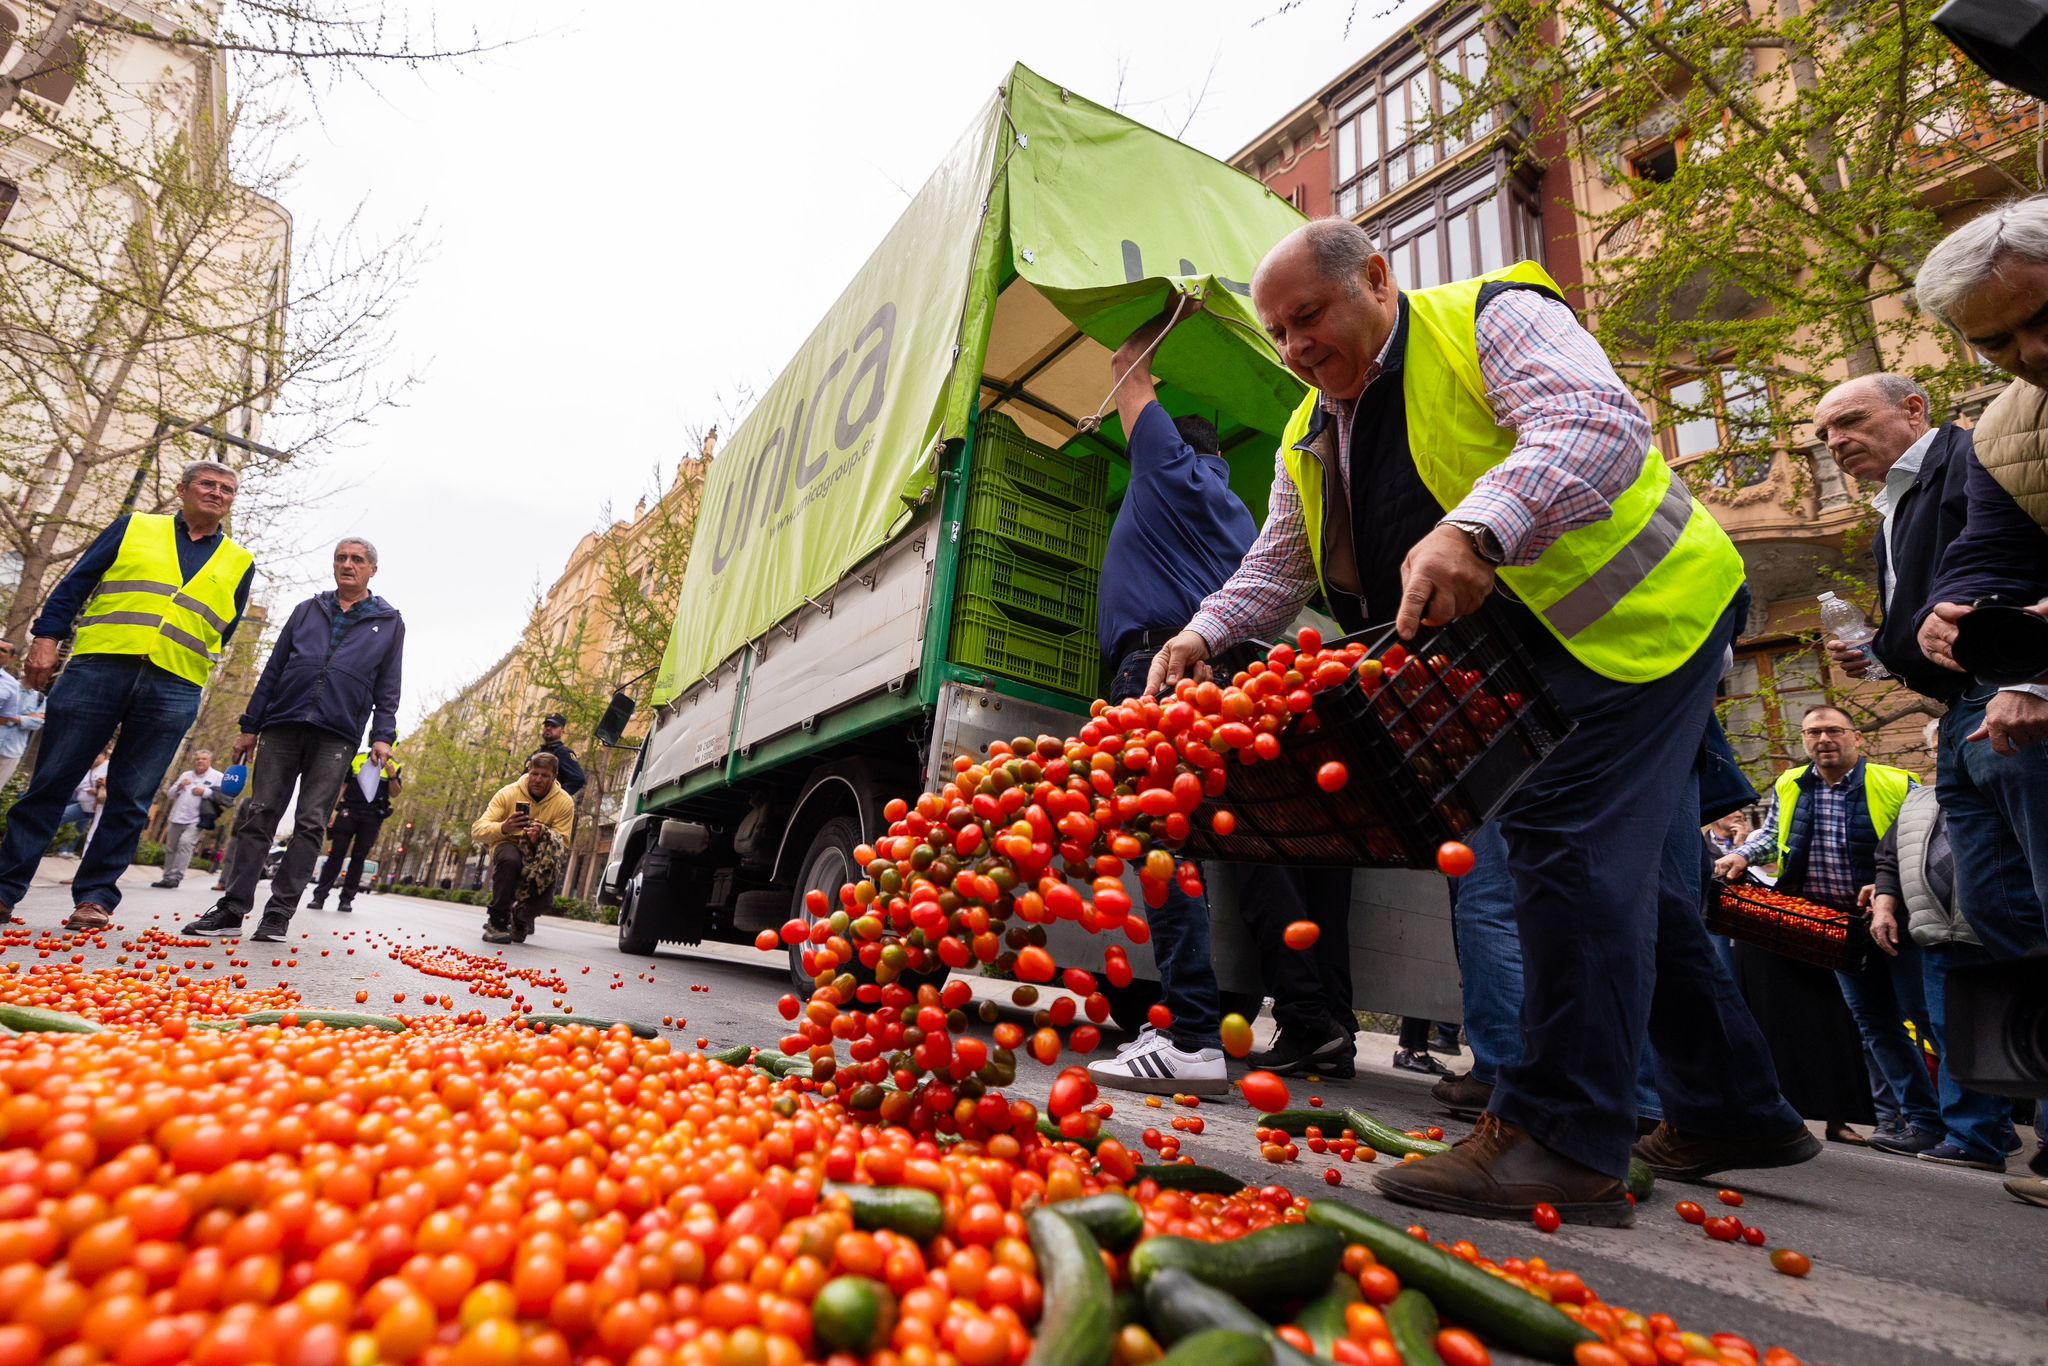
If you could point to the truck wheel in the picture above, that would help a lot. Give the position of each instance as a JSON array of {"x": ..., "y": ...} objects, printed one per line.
[
  {"x": 638, "y": 934},
  {"x": 827, "y": 866}
]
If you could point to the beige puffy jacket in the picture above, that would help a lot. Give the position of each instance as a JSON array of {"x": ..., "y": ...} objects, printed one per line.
[{"x": 2012, "y": 445}]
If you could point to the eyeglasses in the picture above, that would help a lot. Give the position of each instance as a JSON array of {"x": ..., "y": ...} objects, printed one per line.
[{"x": 1825, "y": 732}]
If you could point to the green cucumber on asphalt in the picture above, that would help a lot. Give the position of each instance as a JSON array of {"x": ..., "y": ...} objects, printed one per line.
[
  {"x": 734, "y": 1056},
  {"x": 1077, "y": 1326},
  {"x": 1270, "y": 1267},
  {"x": 1487, "y": 1304},
  {"x": 1172, "y": 1176},
  {"x": 643, "y": 1031},
  {"x": 1178, "y": 1307},
  {"x": 908, "y": 1210},
  {"x": 1051, "y": 1131},
  {"x": 333, "y": 1019},
  {"x": 782, "y": 1064},
  {"x": 1322, "y": 1318},
  {"x": 1640, "y": 1180},
  {"x": 1369, "y": 1131},
  {"x": 1411, "y": 1323},
  {"x": 1217, "y": 1347},
  {"x": 1113, "y": 1220},
  {"x": 34, "y": 1020}
]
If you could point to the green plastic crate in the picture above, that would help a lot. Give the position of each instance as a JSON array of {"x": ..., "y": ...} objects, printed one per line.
[
  {"x": 1017, "y": 585},
  {"x": 1073, "y": 536},
  {"x": 1003, "y": 453},
  {"x": 983, "y": 638}
]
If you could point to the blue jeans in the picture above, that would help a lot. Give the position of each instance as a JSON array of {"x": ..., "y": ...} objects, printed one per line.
[
  {"x": 1973, "y": 1121},
  {"x": 1489, "y": 955},
  {"x": 1180, "y": 928},
  {"x": 1883, "y": 996},
  {"x": 1605, "y": 856},
  {"x": 97, "y": 693},
  {"x": 1997, "y": 808}
]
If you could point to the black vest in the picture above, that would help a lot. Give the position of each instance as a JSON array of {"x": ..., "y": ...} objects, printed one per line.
[{"x": 1863, "y": 839}]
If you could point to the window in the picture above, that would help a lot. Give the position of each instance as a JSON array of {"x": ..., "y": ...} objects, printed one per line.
[
  {"x": 1730, "y": 414},
  {"x": 1381, "y": 138},
  {"x": 1658, "y": 165},
  {"x": 55, "y": 83},
  {"x": 1762, "y": 699},
  {"x": 9, "y": 193},
  {"x": 1480, "y": 225}
]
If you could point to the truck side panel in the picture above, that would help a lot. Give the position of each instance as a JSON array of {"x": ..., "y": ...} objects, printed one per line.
[{"x": 694, "y": 731}]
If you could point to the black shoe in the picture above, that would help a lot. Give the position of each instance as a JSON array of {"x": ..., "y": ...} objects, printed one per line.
[
  {"x": 497, "y": 936},
  {"x": 274, "y": 927},
  {"x": 1909, "y": 1144},
  {"x": 519, "y": 933},
  {"x": 1294, "y": 1052},
  {"x": 1444, "y": 1041},
  {"x": 219, "y": 922},
  {"x": 163, "y": 882},
  {"x": 318, "y": 903},
  {"x": 2038, "y": 1163},
  {"x": 345, "y": 907},
  {"x": 1419, "y": 1060}
]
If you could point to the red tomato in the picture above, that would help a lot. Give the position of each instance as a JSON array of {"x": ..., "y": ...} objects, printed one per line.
[
  {"x": 1302, "y": 934},
  {"x": 1691, "y": 1212},
  {"x": 1729, "y": 1197},
  {"x": 1332, "y": 776},
  {"x": 1159, "y": 1017},
  {"x": 1454, "y": 859},
  {"x": 1264, "y": 1092},
  {"x": 1791, "y": 1263},
  {"x": 1224, "y": 823},
  {"x": 1459, "y": 1348},
  {"x": 1546, "y": 1218}
]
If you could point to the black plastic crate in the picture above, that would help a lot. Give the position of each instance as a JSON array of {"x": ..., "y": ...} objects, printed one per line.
[
  {"x": 1814, "y": 932},
  {"x": 1433, "y": 753}
]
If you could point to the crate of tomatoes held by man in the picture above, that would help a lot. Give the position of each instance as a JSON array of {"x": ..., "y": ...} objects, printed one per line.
[{"x": 1814, "y": 932}]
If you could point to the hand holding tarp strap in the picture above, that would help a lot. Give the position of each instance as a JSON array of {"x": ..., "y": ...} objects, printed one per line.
[{"x": 1093, "y": 423}]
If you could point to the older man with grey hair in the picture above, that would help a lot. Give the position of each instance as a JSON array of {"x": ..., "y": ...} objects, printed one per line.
[
  {"x": 1989, "y": 281},
  {"x": 335, "y": 667},
  {"x": 153, "y": 603}
]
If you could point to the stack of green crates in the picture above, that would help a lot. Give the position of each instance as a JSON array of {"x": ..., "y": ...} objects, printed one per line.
[{"x": 1031, "y": 562}]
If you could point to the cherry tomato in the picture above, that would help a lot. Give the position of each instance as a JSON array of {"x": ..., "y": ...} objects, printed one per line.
[
  {"x": 1302, "y": 935},
  {"x": 1728, "y": 1197},
  {"x": 1264, "y": 1092},
  {"x": 1237, "y": 1035},
  {"x": 1332, "y": 776},
  {"x": 1454, "y": 859},
  {"x": 1546, "y": 1218},
  {"x": 1790, "y": 1263}
]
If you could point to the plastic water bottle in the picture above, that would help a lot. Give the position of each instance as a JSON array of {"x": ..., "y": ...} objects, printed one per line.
[{"x": 1845, "y": 622}]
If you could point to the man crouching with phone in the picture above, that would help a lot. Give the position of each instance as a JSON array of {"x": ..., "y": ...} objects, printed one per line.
[{"x": 527, "y": 826}]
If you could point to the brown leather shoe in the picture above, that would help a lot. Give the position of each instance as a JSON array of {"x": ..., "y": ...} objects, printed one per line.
[
  {"x": 88, "y": 915},
  {"x": 1679, "y": 1156},
  {"x": 1502, "y": 1173},
  {"x": 1462, "y": 1096}
]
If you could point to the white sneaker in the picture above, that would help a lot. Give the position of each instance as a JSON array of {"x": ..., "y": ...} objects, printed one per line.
[
  {"x": 1154, "y": 1065},
  {"x": 1143, "y": 1037}
]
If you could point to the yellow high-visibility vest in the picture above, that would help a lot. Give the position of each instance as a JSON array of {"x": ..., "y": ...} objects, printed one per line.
[
  {"x": 145, "y": 605},
  {"x": 1631, "y": 597}
]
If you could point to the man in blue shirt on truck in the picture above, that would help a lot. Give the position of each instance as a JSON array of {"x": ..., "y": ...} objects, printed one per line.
[{"x": 1179, "y": 535}]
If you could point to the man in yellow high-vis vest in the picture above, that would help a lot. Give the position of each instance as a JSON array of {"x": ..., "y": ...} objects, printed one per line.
[
  {"x": 154, "y": 602},
  {"x": 1473, "y": 437}
]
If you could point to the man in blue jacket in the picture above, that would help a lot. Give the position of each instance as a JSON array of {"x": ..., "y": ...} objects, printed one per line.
[{"x": 335, "y": 664}]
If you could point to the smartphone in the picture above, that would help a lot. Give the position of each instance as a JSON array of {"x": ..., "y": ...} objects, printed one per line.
[{"x": 522, "y": 808}]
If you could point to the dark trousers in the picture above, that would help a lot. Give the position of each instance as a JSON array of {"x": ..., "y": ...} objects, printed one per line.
[
  {"x": 1311, "y": 988},
  {"x": 506, "y": 910},
  {"x": 288, "y": 757},
  {"x": 1604, "y": 852},
  {"x": 352, "y": 836},
  {"x": 95, "y": 695}
]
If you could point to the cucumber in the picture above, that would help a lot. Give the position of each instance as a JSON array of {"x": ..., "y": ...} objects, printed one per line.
[
  {"x": 1051, "y": 1133},
  {"x": 34, "y": 1020},
  {"x": 1217, "y": 1347},
  {"x": 853, "y": 1314},
  {"x": 1113, "y": 1220},
  {"x": 735, "y": 1056},
  {"x": 1640, "y": 1180},
  {"x": 1370, "y": 1131},
  {"x": 333, "y": 1019},
  {"x": 1322, "y": 1318},
  {"x": 1172, "y": 1176},
  {"x": 1180, "y": 1307},
  {"x": 1476, "y": 1299},
  {"x": 1077, "y": 1326},
  {"x": 782, "y": 1064},
  {"x": 907, "y": 1210},
  {"x": 642, "y": 1031},
  {"x": 1279, "y": 1263},
  {"x": 1411, "y": 1323}
]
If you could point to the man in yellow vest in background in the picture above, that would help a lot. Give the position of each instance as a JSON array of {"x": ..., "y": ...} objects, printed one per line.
[
  {"x": 1471, "y": 436},
  {"x": 155, "y": 601}
]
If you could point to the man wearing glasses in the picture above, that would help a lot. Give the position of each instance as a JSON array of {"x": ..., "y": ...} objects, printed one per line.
[{"x": 1823, "y": 825}]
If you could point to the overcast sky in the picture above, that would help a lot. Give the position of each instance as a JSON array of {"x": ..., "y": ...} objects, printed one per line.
[{"x": 643, "y": 208}]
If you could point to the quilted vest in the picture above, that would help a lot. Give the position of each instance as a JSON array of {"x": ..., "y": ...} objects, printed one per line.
[
  {"x": 1929, "y": 919},
  {"x": 2012, "y": 445}
]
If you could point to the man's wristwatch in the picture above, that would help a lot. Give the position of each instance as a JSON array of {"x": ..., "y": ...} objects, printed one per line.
[{"x": 1485, "y": 544}]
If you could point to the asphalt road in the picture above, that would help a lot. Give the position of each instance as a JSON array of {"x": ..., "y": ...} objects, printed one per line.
[{"x": 1912, "y": 1262}]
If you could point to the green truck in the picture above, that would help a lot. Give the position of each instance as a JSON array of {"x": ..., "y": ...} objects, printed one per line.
[{"x": 898, "y": 551}]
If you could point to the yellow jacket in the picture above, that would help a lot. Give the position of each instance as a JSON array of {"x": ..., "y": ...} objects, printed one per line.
[{"x": 557, "y": 811}]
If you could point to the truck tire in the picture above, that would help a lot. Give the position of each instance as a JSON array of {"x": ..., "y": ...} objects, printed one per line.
[
  {"x": 827, "y": 866},
  {"x": 638, "y": 933}
]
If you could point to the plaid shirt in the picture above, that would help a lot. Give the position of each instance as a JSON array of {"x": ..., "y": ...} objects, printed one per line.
[
  {"x": 1579, "y": 442},
  {"x": 1828, "y": 876}
]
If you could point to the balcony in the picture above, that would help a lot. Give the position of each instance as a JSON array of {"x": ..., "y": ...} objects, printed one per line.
[
  {"x": 1626, "y": 244},
  {"x": 1787, "y": 513}
]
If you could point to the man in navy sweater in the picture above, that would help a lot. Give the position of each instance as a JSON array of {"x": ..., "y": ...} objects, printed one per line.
[{"x": 335, "y": 666}]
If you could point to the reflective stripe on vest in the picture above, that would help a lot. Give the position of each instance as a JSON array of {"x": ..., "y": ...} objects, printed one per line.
[
  {"x": 1884, "y": 792},
  {"x": 1633, "y": 596},
  {"x": 145, "y": 605}
]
